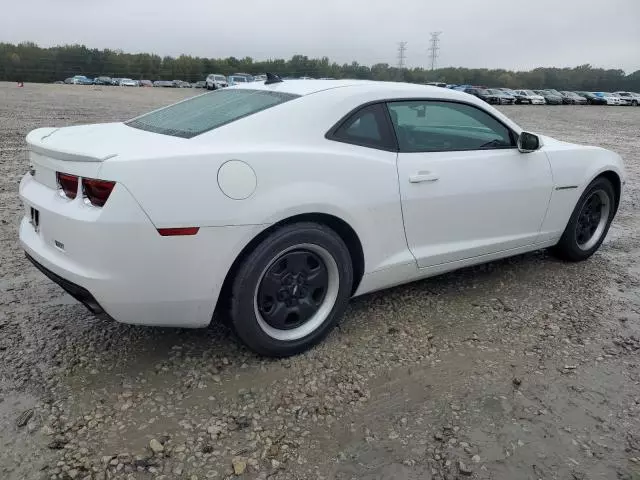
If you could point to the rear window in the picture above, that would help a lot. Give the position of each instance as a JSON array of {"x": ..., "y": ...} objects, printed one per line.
[{"x": 205, "y": 112}]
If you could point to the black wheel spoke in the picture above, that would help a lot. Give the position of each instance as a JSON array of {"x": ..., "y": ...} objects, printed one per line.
[
  {"x": 318, "y": 277},
  {"x": 270, "y": 285},
  {"x": 277, "y": 315},
  {"x": 306, "y": 307}
]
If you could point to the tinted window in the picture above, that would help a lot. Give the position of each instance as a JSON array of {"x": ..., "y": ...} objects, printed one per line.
[
  {"x": 367, "y": 127},
  {"x": 206, "y": 112},
  {"x": 424, "y": 126}
]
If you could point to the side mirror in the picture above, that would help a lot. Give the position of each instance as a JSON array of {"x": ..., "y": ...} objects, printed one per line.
[{"x": 528, "y": 142}]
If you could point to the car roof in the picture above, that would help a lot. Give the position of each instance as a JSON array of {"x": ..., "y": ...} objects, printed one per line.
[{"x": 390, "y": 89}]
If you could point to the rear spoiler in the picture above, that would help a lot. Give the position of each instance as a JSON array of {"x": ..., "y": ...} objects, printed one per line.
[{"x": 36, "y": 143}]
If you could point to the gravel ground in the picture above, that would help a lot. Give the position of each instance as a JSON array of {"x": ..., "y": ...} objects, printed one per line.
[{"x": 525, "y": 368}]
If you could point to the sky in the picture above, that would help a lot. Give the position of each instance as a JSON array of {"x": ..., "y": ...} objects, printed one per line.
[{"x": 512, "y": 34}]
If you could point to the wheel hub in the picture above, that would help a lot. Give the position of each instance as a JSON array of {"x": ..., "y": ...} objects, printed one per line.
[{"x": 292, "y": 289}]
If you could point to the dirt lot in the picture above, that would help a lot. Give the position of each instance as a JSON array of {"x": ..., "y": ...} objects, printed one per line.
[{"x": 520, "y": 369}]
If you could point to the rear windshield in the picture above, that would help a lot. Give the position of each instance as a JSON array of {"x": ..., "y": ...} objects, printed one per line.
[{"x": 206, "y": 112}]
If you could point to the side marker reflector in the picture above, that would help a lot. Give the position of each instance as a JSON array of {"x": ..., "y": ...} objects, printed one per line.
[{"x": 175, "y": 232}]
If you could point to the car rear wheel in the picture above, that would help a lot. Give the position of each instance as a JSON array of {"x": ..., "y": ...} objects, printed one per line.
[
  {"x": 589, "y": 222},
  {"x": 291, "y": 290},
  {"x": 634, "y": 103}
]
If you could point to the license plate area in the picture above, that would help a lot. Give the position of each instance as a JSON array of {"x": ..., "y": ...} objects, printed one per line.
[{"x": 34, "y": 218}]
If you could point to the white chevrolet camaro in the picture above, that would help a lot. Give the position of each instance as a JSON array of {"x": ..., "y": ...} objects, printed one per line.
[{"x": 278, "y": 201}]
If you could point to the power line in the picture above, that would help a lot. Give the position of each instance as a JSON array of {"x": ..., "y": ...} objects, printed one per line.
[{"x": 434, "y": 48}]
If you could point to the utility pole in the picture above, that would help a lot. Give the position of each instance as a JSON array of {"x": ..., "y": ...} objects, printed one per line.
[
  {"x": 434, "y": 48},
  {"x": 402, "y": 48}
]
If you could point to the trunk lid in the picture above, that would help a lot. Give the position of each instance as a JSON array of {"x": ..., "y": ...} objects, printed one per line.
[{"x": 82, "y": 149}]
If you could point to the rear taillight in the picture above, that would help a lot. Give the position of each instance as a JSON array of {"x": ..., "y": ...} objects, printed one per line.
[
  {"x": 68, "y": 184},
  {"x": 97, "y": 191}
]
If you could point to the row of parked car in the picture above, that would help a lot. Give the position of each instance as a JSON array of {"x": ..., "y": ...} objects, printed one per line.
[
  {"x": 507, "y": 96},
  {"x": 212, "y": 82}
]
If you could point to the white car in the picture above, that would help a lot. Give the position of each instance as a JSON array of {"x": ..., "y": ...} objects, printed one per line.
[
  {"x": 127, "y": 82},
  {"x": 610, "y": 98},
  {"x": 630, "y": 97},
  {"x": 533, "y": 97},
  {"x": 215, "y": 81},
  {"x": 239, "y": 200}
]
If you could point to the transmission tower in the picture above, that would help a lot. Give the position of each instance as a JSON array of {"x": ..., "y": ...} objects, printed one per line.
[
  {"x": 434, "y": 48},
  {"x": 402, "y": 48}
]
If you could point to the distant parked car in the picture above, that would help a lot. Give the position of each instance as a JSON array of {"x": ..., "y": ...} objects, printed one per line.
[
  {"x": 609, "y": 97},
  {"x": 215, "y": 81},
  {"x": 58, "y": 82},
  {"x": 68, "y": 81},
  {"x": 145, "y": 83},
  {"x": 631, "y": 97},
  {"x": 623, "y": 100},
  {"x": 200, "y": 84},
  {"x": 127, "y": 82},
  {"x": 565, "y": 101},
  {"x": 504, "y": 97},
  {"x": 483, "y": 94},
  {"x": 163, "y": 83},
  {"x": 592, "y": 98},
  {"x": 519, "y": 99},
  {"x": 573, "y": 98},
  {"x": 102, "y": 81},
  {"x": 532, "y": 97},
  {"x": 550, "y": 98},
  {"x": 81, "y": 80},
  {"x": 260, "y": 78},
  {"x": 239, "y": 78}
]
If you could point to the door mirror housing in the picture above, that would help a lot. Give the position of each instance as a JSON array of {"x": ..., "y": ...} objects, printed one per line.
[{"x": 528, "y": 142}]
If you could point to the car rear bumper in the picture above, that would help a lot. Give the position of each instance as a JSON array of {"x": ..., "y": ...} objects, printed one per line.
[
  {"x": 113, "y": 259},
  {"x": 76, "y": 291}
]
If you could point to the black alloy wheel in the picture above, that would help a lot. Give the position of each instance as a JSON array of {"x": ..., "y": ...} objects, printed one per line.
[
  {"x": 589, "y": 222},
  {"x": 292, "y": 289}
]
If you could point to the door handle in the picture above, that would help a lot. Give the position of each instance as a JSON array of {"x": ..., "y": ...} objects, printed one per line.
[{"x": 423, "y": 177}]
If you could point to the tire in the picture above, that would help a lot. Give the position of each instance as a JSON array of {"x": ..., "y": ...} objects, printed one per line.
[
  {"x": 276, "y": 308},
  {"x": 579, "y": 242},
  {"x": 634, "y": 103}
]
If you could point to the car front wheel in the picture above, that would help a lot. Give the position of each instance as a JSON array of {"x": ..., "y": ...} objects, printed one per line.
[
  {"x": 291, "y": 290},
  {"x": 589, "y": 222}
]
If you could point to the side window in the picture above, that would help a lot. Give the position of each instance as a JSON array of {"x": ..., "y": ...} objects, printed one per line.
[
  {"x": 367, "y": 127},
  {"x": 432, "y": 126}
]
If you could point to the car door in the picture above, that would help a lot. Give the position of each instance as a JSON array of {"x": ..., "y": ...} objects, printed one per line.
[{"x": 466, "y": 190}]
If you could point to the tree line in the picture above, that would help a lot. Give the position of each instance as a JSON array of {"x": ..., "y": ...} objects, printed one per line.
[{"x": 28, "y": 62}]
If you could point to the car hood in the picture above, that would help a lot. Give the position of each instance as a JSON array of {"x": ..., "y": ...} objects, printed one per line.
[{"x": 99, "y": 142}]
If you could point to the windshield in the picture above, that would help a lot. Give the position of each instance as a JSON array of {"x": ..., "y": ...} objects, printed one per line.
[
  {"x": 482, "y": 91},
  {"x": 529, "y": 92},
  {"x": 238, "y": 79},
  {"x": 206, "y": 112},
  {"x": 219, "y": 78},
  {"x": 623, "y": 94}
]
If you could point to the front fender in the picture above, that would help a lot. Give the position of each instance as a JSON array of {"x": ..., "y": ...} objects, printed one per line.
[{"x": 574, "y": 167}]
